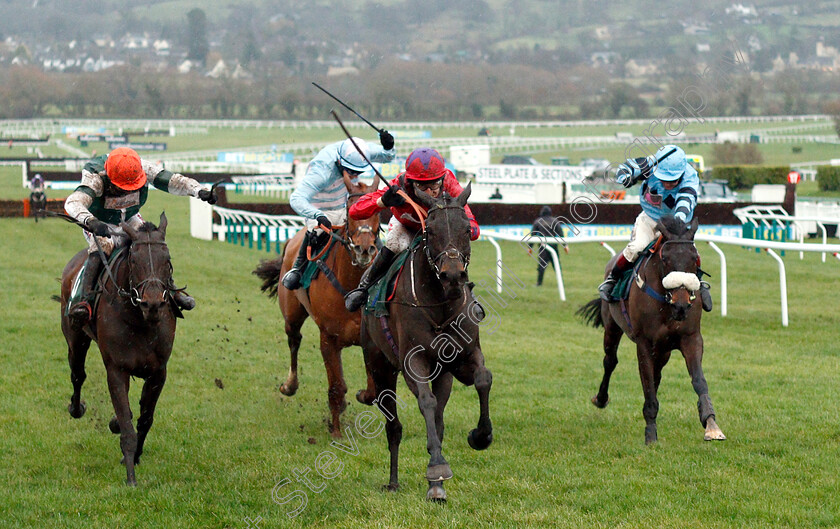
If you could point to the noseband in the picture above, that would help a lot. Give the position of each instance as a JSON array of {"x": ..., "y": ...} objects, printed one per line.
[{"x": 668, "y": 297}]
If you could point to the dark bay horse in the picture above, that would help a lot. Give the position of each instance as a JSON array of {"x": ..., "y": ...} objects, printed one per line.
[
  {"x": 134, "y": 326},
  {"x": 662, "y": 314},
  {"x": 339, "y": 328},
  {"x": 433, "y": 337}
]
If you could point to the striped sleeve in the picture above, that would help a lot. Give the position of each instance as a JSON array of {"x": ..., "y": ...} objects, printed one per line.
[{"x": 686, "y": 201}]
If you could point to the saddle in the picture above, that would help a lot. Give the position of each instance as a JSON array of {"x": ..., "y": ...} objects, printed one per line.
[
  {"x": 622, "y": 286},
  {"x": 382, "y": 292},
  {"x": 312, "y": 268}
]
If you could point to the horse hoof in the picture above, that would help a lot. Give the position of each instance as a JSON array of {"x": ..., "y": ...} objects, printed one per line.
[
  {"x": 440, "y": 472},
  {"x": 436, "y": 494},
  {"x": 365, "y": 397},
  {"x": 598, "y": 403},
  {"x": 131, "y": 482},
  {"x": 288, "y": 389},
  {"x": 391, "y": 487},
  {"x": 713, "y": 432},
  {"x": 478, "y": 441},
  {"x": 114, "y": 425},
  {"x": 77, "y": 412}
]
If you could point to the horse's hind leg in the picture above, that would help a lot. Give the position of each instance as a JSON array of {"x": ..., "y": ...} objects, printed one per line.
[
  {"x": 692, "y": 350},
  {"x": 148, "y": 400},
  {"x": 294, "y": 315},
  {"x": 118, "y": 382},
  {"x": 612, "y": 337},
  {"x": 77, "y": 347}
]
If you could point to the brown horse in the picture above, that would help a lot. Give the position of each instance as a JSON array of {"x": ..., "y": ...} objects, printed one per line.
[
  {"x": 661, "y": 314},
  {"x": 134, "y": 326},
  {"x": 339, "y": 329},
  {"x": 433, "y": 337}
]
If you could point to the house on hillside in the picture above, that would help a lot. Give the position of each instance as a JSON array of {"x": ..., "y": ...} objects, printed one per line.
[
  {"x": 640, "y": 68},
  {"x": 742, "y": 10}
]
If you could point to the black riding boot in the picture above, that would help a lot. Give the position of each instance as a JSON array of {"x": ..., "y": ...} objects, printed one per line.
[
  {"x": 606, "y": 288},
  {"x": 182, "y": 299},
  {"x": 81, "y": 312},
  {"x": 292, "y": 278},
  {"x": 357, "y": 297},
  {"x": 706, "y": 296}
]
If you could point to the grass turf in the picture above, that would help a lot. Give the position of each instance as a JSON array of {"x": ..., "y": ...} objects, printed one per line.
[{"x": 214, "y": 455}]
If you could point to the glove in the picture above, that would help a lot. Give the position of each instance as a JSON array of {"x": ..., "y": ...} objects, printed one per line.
[
  {"x": 391, "y": 199},
  {"x": 624, "y": 176},
  {"x": 98, "y": 227},
  {"x": 386, "y": 140},
  {"x": 324, "y": 221},
  {"x": 208, "y": 196}
]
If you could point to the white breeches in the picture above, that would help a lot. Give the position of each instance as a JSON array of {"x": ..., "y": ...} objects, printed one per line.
[{"x": 644, "y": 233}]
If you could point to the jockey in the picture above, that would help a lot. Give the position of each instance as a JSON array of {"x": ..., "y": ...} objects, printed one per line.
[
  {"x": 322, "y": 196},
  {"x": 36, "y": 185},
  {"x": 670, "y": 186},
  {"x": 424, "y": 170},
  {"x": 113, "y": 189}
]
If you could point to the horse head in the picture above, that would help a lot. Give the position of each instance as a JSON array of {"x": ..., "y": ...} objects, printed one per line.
[
  {"x": 447, "y": 239},
  {"x": 679, "y": 264},
  {"x": 362, "y": 234},
  {"x": 149, "y": 268}
]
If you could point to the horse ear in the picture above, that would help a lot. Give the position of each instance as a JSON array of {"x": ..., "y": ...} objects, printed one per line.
[
  {"x": 461, "y": 199},
  {"x": 131, "y": 232},
  {"x": 424, "y": 198},
  {"x": 663, "y": 230},
  {"x": 163, "y": 223},
  {"x": 692, "y": 227},
  {"x": 347, "y": 183}
]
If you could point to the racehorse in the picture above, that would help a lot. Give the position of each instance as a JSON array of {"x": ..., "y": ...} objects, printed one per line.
[
  {"x": 37, "y": 203},
  {"x": 356, "y": 247},
  {"x": 433, "y": 337},
  {"x": 661, "y": 314},
  {"x": 134, "y": 326}
]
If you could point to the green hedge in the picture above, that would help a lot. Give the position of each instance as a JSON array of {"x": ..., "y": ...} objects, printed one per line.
[
  {"x": 828, "y": 177},
  {"x": 746, "y": 176}
]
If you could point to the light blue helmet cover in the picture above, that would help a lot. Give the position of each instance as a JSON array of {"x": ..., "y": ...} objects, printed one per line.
[
  {"x": 350, "y": 158},
  {"x": 672, "y": 168}
]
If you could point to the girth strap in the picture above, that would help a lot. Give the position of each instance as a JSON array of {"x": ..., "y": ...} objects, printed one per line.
[
  {"x": 328, "y": 273},
  {"x": 386, "y": 330}
]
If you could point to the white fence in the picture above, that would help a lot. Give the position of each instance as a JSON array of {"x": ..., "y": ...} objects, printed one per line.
[{"x": 767, "y": 246}]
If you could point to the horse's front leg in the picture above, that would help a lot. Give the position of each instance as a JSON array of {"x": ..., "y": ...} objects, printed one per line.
[
  {"x": 331, "y": 352},
  {"x": 148, "y": 401},
  {"x": 692, "y": 350},
  {"x": 417, "y": 376},
  {"x": 644, "y": 352},
  {"x": 472, "y": 372},
  {"x": 118, "y": 382}
]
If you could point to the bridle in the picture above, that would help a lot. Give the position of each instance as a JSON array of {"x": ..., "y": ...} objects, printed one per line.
[
  {"x": 450, "y": 251},
  {"x": 138, "y": 290},
  {"x": 668, "y": 296}
]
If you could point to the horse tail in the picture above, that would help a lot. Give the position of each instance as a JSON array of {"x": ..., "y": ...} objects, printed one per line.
[
  {"x": 269, "y": 272},
  {"x": 591, "y": 313}
]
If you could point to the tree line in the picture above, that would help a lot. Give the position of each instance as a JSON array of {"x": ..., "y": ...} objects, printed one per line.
[{"x": 395, "y": 90}]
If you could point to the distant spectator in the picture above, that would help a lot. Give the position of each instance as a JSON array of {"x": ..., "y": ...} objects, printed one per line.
[
  {"x": 484, "y": 132},
  {"x": 496, "y": 195},
  {"x": 545, "y": 226}
]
